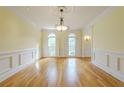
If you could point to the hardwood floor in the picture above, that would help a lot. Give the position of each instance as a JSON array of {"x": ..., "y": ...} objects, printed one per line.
[{"x": 61, "y": 72}]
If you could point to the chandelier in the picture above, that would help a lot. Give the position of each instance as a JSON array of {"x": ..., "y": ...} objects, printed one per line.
[{"x": 61, "y": 26}]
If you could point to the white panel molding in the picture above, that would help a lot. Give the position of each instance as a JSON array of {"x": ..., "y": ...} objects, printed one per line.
[
  {"x": 5, "y": 64},
  {"x": 13, "y": 61},
  {"x": 110, "y": 61}
]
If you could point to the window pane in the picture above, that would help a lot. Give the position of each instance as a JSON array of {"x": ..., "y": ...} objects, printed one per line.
[
  {"x": 52, "y": 46},
  {"x": 71, "y": 46},
  {"x": 51, "y": 41}
]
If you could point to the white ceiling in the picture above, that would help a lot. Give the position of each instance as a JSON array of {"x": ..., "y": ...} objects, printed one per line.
[{"x": 45, "y": 17}]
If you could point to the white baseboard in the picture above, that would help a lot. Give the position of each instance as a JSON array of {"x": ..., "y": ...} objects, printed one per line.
[
  {"x": 65, "y": 56},
  {"x": 13, "y": 71},
  {"x": 13, "y": 61},
  {"x": 111, "y": 62},
  {"x": 110, "y": 71}
]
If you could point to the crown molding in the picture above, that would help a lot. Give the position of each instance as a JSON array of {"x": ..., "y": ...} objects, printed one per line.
[
  {"x": 21, "y": 16},
  {"x": 102, "y": 15}
]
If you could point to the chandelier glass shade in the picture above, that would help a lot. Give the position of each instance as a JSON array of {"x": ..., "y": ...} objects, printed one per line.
[{"x": 61, "y": 28}]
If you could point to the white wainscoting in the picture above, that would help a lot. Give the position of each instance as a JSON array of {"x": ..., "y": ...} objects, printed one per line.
[
  {"x": 111, "y": 62},
  {"x": 13, "y": 61}
]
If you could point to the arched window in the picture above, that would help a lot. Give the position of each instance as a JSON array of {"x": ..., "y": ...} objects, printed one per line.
[
  {"x": 52, "y": 44},
  {"x": 71, "y": 44}
]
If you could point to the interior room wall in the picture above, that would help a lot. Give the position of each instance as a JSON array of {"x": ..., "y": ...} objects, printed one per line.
[
  {"x": 16, "y": 33},
  {"x": 108, "y": 42},
  {"x": 62, "y": 43},
  {"x": 108, "y": 32},
  {"x": 20, "y": 43}
]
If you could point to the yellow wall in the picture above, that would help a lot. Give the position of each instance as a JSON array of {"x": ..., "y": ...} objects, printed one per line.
[
  {"x": 108, "y": 32},
  {"x": 16, "y": 33}
]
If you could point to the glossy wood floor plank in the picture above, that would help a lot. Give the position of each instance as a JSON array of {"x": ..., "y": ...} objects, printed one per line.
[{"x": 62, "y": 72}]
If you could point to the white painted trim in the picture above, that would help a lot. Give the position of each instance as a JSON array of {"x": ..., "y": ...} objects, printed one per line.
[
  {"x": 21, "y": 16},
  {"x": 103, "y": 14},
  {"x": 110, "y": 71},
  {"x": 109, "y": 54},
  {"x": 15, "y": 51},
  {"x": 18, "y": 60},
  {"x": 11, "y": 72},
  {"x": 65, "y": 56}
]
